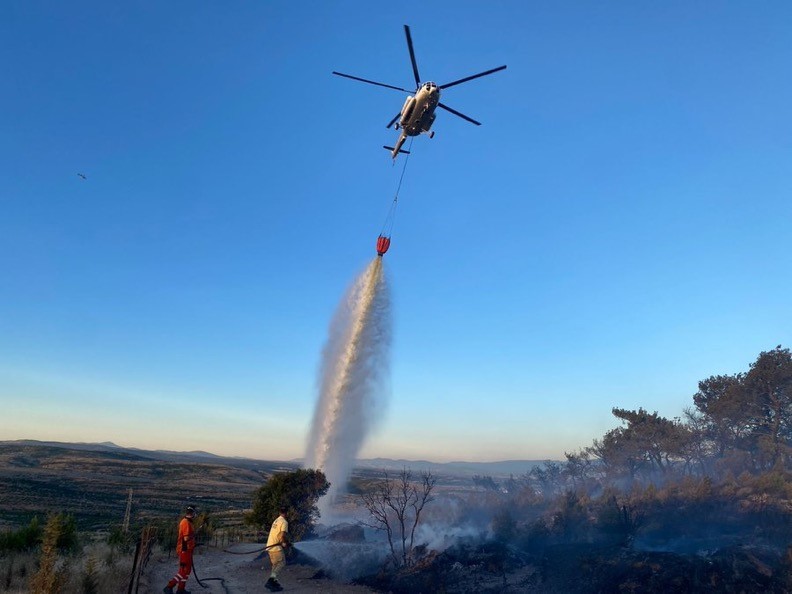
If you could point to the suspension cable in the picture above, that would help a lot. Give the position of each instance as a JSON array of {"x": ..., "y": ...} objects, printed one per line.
[{"x": 390, "y": 219}]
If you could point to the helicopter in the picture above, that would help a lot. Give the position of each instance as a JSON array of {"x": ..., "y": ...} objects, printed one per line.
[{"x": 418, "y": 112}]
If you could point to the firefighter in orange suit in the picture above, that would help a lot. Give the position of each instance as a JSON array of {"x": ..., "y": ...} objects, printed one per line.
[{"x": 185, "y": 544}]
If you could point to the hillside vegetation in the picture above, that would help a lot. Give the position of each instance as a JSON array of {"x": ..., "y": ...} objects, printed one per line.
[{"x": 93, "y": 486}]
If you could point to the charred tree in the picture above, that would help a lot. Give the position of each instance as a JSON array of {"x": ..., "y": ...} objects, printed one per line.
[{"x": 395, "y": 506}]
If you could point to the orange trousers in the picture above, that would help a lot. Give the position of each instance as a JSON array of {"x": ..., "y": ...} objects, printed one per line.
[{"x": 185, "y": 567}]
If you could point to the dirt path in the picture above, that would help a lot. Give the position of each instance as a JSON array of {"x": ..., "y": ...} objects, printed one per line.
[{"x": 242, "y": 574}]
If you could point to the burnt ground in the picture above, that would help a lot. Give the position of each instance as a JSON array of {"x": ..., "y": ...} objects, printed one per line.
[
  {"x": 587, "y": 568},
  {"x": 739, "y": 568}
]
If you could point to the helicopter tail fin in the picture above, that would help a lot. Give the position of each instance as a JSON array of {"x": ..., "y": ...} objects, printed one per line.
[{"x": 393, "y": 150}]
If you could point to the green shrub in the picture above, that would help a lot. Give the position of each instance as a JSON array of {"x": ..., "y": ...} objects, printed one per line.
[
  {"x": 299, "y": 491},
  {"x": 24, "y": 539}
]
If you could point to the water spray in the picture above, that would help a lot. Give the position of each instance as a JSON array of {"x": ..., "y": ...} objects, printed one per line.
[{"x": 352, "y": 380}]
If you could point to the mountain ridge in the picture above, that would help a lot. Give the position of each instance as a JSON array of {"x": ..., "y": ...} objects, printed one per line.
[{"x": 457, "y": 467}]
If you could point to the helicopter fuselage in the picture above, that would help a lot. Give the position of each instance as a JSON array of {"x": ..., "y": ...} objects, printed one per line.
[{"x": 418, "y": 112}]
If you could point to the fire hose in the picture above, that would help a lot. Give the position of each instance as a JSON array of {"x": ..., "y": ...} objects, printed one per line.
[{"x": 222, "y": 580}]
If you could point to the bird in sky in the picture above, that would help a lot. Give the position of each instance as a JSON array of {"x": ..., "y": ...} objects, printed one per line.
[{"x": 82, "y": 175}]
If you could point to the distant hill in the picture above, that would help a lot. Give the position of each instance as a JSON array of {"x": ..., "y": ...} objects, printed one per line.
[
  {"x": 197, "y": 456},
  {"x": 503, "y": 468},
  {"x": 92, "y": 480}
]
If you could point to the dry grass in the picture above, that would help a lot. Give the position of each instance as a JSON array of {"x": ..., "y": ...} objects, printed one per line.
[{"x": 22, "y": 573}]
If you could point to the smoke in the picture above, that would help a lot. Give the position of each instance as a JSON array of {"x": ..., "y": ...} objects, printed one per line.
[
  {"x": 352, "y": 379},
  {"x": 344, "y": 560},
  {"x": 439, "y": 537}
]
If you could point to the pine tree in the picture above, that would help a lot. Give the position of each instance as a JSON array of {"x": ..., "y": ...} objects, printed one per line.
[{"x": 45, "y": 579}]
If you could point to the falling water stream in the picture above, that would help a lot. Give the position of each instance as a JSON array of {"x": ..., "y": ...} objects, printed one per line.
[{"x": 353, "y": 379}]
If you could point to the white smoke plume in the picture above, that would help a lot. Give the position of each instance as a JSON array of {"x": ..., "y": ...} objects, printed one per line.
[{"x": 353, "y": 379}]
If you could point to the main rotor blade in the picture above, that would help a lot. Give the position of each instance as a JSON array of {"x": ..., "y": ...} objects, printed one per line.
[
  {"x": 412, "y": 56},
  {"x": 461, "y": 115},
  {"x": 393, "y": 121},
  {"x": 371, "y": 82},
  {"x": 480, "y": 74}
]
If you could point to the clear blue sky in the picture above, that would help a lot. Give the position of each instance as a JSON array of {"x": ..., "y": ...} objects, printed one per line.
[{"x": 616, "y": 230}]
